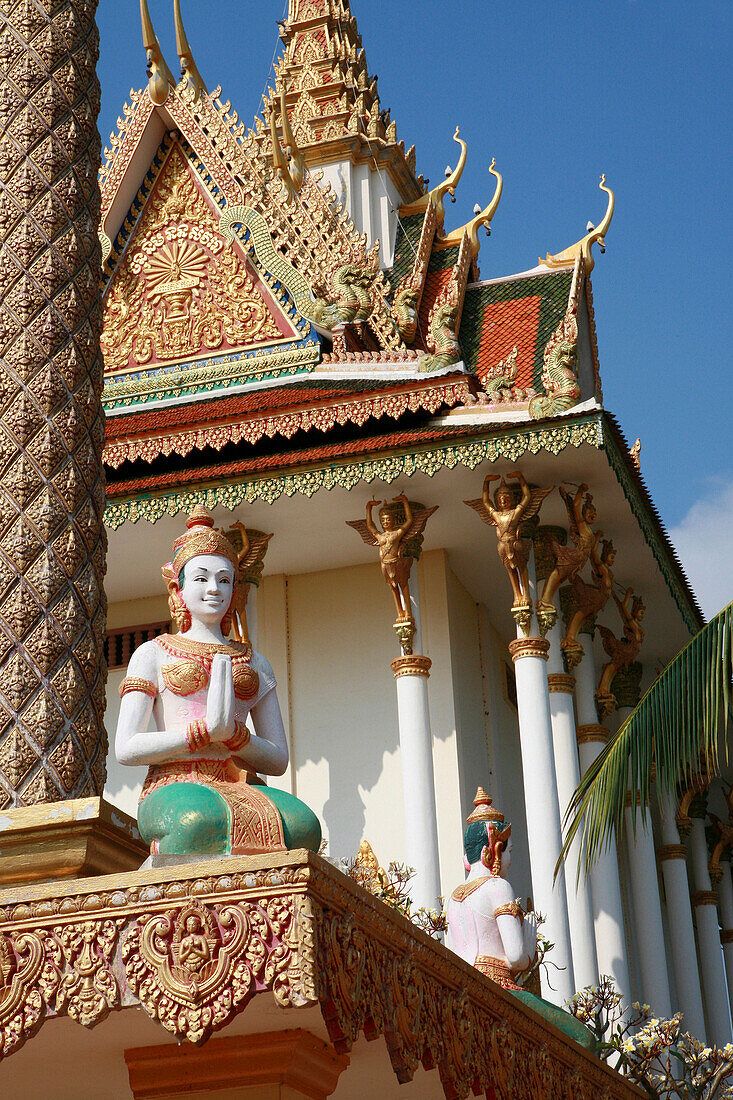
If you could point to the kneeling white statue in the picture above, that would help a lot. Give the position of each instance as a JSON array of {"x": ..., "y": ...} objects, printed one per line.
[
  {"x": 199, "y": 688},
  {"x": 487, "y": 926}
]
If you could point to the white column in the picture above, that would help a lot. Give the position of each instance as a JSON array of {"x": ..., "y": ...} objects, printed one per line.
[
  {"x": 672, "y": 856},
  {"x": 725, "y": 896},
  {"x": 647, "y": 904},
  {"x": 567, "y": 769},
  {"x": 542, "y": 807},
  {"x": 705, "y": 902},
  {"x": 418, "y": 782},
  {"x": 604, "y": 879}
]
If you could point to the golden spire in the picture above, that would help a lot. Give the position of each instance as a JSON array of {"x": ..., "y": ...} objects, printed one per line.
[
  {"x": 447, "y": 187},
  {"x": 584, "y": 247},
  {"x": 483, "y": 217},
  {"x": 160, "y": 78},
  {"x": 189, "y": 69}
]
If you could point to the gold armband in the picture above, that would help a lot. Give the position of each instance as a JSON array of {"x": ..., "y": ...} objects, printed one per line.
[
  {"x": 136, "y": 683},
  {"x": 240, "y": 739},
  {"x": 197, "y": 735},
  {"x": 511, "y": 909}
]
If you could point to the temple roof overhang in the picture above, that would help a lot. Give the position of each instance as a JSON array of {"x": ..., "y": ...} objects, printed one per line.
[{"x": 289, "y": 930}]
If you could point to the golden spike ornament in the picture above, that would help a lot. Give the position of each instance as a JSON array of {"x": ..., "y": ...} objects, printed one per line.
[
  {"x": 436, "y": 196},
  {"x": 584, "y": 247},
  {"x": 482, "y": 218},
  {"x": 189, "y": 69},
  {"x": 296, "y": 167},
  {"x": 160, "y": 78}
]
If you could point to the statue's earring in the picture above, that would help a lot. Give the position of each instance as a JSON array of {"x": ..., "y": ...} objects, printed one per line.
[
  {"x": 179, "y": 612},
  {"x": 496, "y": 863}
]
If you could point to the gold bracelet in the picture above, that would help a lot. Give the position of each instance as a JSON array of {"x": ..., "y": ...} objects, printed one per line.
[
  {"x": 197, "y": 735},
  {"x": 136, "y": 683},
  {"x": 511, "y": 909},
  {"x": 241, "y": 737}
]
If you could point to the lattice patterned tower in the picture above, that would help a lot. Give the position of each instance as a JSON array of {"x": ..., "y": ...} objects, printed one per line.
[{"x": 52, "y": 542}]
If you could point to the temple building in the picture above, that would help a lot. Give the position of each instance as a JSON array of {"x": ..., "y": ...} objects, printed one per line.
[{"x": 296, "y": 338}]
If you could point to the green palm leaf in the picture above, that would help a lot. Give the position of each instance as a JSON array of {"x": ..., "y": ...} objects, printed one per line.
[{"x": 679, "y": 721}]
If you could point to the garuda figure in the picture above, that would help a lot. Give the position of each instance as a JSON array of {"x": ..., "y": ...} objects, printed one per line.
[
  {"x": 399, "y": 543},
  {"x": 621, "y": 651},
  {"x": 507, "y": 515},
  {"x": 589, "y": 599},
  {"x": 569, "y": 560},
  {"x": 201, "y": 795}
]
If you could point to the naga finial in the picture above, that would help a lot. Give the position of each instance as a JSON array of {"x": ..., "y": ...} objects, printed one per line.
[
  {"x": 482, "y": 217},
  {"x": 160, "y": 78},
  {"x": 189, "y": 69},
  {"x": 584, "y": 247},
  {"x": 447, "y": 187}
]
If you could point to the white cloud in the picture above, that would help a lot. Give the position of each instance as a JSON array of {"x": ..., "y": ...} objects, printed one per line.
[{"x": 704, "y": 542}]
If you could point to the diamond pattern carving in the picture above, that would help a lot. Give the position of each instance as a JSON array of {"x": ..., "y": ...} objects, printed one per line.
[{"x": 52, "y": 545}]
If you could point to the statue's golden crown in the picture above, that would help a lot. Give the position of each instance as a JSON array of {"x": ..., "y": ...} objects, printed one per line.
[{"x": 201, "y": 538}]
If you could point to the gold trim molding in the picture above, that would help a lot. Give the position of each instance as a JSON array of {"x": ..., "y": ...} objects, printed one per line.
[
  {"x": 671, "y": 851},
  {"x": 561, "y": 683},
  {"x": 591, "y": 733},
  {"x": 726, "y": 935},
  {"x": 704, "y": 897},
  {"x": 529, "y": 647},
  {"x": 193, "y": 944},
  {"x": 413, "y": 665}
]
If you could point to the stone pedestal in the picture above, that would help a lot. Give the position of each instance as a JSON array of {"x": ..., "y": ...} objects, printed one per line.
[
  {"x": 542, "y": 807},
  {"x": 567, "y": 768},
  {"x": 705, "y": 904},
  {"x": 418, "y": 780},
  {"x": 605, "y": 884}
]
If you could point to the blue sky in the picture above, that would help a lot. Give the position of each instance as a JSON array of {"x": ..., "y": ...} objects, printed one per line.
[{"x": 558, "y": 93}]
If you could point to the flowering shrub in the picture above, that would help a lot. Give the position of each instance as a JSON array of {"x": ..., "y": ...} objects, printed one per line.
[
  {"x": 655, "y": 1054},
  {"x": 392, "y": 886}
]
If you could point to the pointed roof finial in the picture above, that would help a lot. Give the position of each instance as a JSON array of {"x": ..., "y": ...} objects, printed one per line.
[
  {"x": 584, "y": 246},
  {"x": 483, "y": 217},
  {"x": 160, "y": 78},
  {"x": 437, "y": 194},
  {"x": 189, "y": 70}
]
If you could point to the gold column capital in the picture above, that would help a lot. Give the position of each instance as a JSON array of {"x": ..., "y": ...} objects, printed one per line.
[
  {"x": 726, "y": 935},
  {"x": 529, "y": 647},
  {"x": 413, "y": 664},
  {"x": 592, "y": 732},
  {"x": 562, "y": 683},
  {"x": 671, "y": 851},
  {"x": 704, "y": 897}
]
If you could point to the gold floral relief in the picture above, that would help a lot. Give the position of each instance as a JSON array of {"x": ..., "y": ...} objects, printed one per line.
[{"x": 180, "y": 292}]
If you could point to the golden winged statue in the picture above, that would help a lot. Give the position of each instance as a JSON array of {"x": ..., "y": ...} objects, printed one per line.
[
  {"x": 399, "y": 543},
  {"x": 622, "y": 651},
  {"x": 507, "y": 515},
  {"x": 251, "y": 547},
  {"x": 569, "y": 560}
]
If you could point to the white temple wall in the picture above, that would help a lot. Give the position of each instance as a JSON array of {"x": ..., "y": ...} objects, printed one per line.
[{"x": 371, "y": 199}]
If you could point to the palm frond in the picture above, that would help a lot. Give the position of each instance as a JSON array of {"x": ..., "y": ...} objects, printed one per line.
[{"x": 678, "y": 723}]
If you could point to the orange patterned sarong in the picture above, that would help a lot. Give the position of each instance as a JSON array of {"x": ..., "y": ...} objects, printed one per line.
[
  {"x": 256, "y": 823},
  {"x": 497, "y": 970}
]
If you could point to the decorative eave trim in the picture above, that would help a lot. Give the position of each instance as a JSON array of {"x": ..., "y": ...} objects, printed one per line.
[
  {"x": 648, "y": 518},
  {"x": 470, "y": 453},
  {"x": 279, "y": 925},
  {"x": 323, "y": 417}
]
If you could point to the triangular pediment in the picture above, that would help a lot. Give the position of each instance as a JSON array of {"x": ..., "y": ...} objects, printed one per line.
[{"x": 179, "y": 292}]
